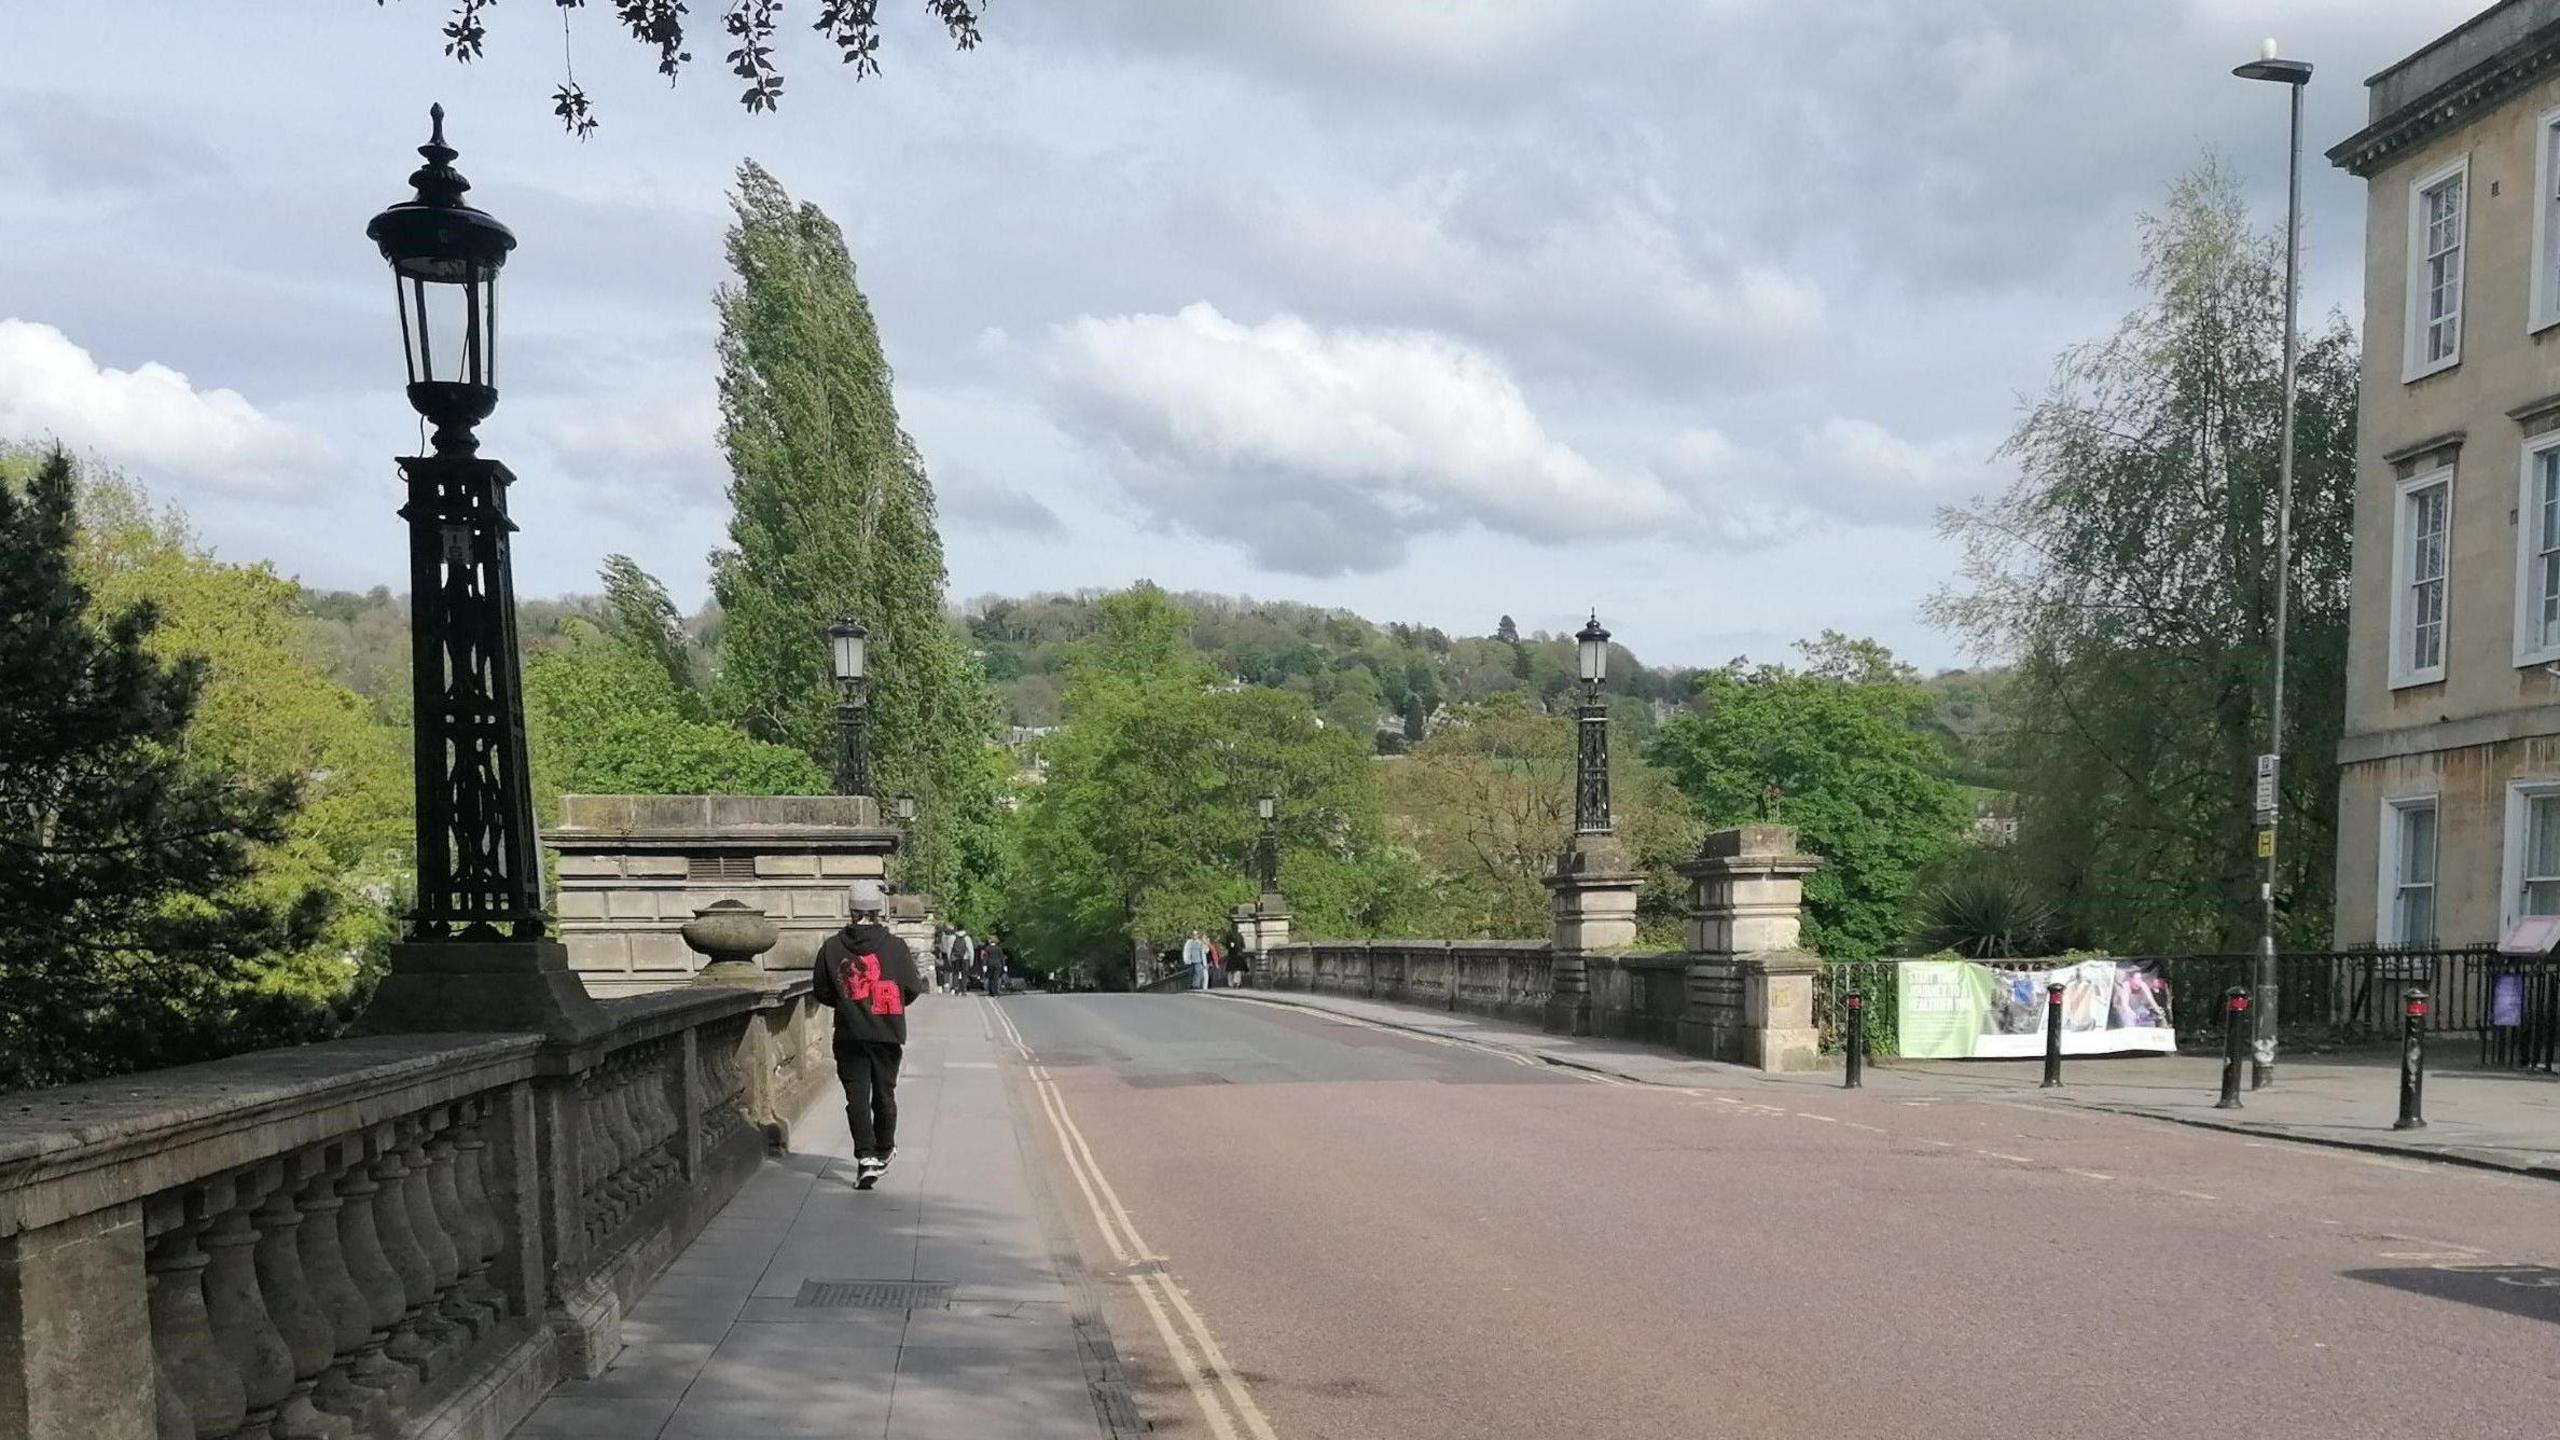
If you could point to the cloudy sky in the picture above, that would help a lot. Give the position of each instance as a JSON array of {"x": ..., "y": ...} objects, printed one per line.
[{"x": 1693, "y": 311}]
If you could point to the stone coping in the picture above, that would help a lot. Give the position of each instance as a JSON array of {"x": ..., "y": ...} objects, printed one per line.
[
  {"x": 1466, "y": 947},
  {"x": 720, "y": 821},
  {"x": 75, "y": 1149}
]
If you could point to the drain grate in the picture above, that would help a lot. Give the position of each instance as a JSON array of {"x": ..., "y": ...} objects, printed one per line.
[{"x": 873, "y": 1295}]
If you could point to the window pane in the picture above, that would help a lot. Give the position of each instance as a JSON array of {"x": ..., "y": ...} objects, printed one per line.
[
  {"x": 2418, "y": 916},
  {"x": 2418, "y": 845},
  {"x": 2542, "y": 837},
  {"x": 2542, "y": 897}
]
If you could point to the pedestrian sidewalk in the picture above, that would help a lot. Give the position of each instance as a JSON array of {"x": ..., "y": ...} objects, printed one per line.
[
  {"x": 2497, "y": 1119},
  {"x": 930, "y": 1307}
]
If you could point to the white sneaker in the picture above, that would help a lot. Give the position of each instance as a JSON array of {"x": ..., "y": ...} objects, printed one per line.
[{"x": 867, "y": 1172}]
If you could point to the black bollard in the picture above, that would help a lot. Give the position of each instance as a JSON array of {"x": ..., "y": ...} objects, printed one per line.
[
  {"x": 2053, "y": 1036},
  {"x": 1855, "y": 1006},
  {"x": 2235, "y": 1022},
  {"x": 2413, "y": 1060}
]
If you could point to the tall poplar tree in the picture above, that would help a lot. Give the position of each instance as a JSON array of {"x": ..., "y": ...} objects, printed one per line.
[{"x": 832, "y": 513}]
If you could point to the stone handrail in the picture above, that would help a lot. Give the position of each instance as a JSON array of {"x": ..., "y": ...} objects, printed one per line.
[{"x": 389, "y": 1236}]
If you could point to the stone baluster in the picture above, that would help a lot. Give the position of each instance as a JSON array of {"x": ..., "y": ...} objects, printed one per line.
[
  {"x": 310, "y": 1333},
  {"x": 471, "y": 1188},
  {"x": 665, "y": 1129},
  {"x": 169, "y": 1417},
  {"x": 242, "y": 1325},
  {"x": 418, "y": 1341},
  {"x": 595, "y": 1158},
  {"x": 193, "y": 1368},
  {"x": 334, "y": 1290},
  {"x": 377, "y": 1281},
  {"x": 623, "y": 1183},
  {"x": 461, "y": 1304},
  {"x": 426, "y": 1225}
]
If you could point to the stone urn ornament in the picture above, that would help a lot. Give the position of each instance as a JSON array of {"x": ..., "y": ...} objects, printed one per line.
[{"x": 730, "y": 934}]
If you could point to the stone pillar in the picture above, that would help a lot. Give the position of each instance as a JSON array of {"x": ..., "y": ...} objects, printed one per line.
[
  {"x": 1746, "y": 908},
  {"x": 76, "y": 1357},
  {"x": 1592, "y": 897}
]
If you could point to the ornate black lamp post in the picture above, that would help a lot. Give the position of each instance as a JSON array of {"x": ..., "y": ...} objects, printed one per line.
[
  {"x": 476, "y": 957},
  {"x": 850, "y": 644},
  {"x": 1266, "y": 849},
  {"x": 478, "y": 874},
  {"x": 1591, "y": 748}
]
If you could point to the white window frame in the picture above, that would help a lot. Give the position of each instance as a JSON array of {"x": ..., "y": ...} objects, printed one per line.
[
  {"x": 2519, "y": 794},
  {"x": 2416, "y": 366},
  {"x": 2533, "y": 540},
  {"x": 2545, "y": 307},
  {"x": 2386, "y": 892},
  {"x": 2403, "y": 673}
]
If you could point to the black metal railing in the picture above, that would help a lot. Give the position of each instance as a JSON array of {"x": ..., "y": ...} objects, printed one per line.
[{"x": 2509, "y": 1005}]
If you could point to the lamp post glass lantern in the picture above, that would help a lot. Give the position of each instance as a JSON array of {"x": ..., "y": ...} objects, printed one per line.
[
  {"x": 2293, "y": 75},
  {"x": 1591, "y": 737},
  {"x": 479, "y": 875},
  {"x": 848, "y": 652},
  {"x": 445, "y": 257},
  {"x": 906, "y": 809},
  {"x": 1266, "y": 847}
]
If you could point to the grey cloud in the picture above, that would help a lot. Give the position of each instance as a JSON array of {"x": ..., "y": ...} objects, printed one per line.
[
  {"x": 1000, "y": 508},
  {"x": 72, "y": 148}
]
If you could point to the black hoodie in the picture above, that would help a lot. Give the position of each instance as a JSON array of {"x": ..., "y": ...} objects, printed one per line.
[{"x": 857, "y": 968}]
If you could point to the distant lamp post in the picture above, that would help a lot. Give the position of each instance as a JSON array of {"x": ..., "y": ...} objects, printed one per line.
[
  {"x": 1591, "y": 748},
  {"x": 906, "y": 809},
  {"x": 2293, "y": 75},
  {"x": 479, "y": 876},
  {"x": 1266, "y": 849},
  {"x": 849, "y": 644}
]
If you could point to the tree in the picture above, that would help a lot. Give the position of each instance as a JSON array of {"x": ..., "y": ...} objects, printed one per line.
[
  {"x": 126, "y": 925},
  {"x": 833, "y": 514},
  {"x": 643, "y": 617},
  {"x": 1845, "y": 761},
  {"x": 604, "y": 718},
  {"x": 1144, "y": 826},
  {"x": 2131, "y": 572},
  {"x": 1487, "y": 802},
  {"x": 852, "y": 26},
  {"x": 1507, "y": 631}
]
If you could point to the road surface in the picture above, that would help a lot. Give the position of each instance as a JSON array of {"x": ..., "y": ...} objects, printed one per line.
[{"x": 1307, "y": 1227}]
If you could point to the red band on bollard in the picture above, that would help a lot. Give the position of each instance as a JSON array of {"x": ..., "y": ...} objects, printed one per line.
[
  {"x": 2417, "y": 1007},
  {"x": 1857, "y": 1002},
  {"x": 2239, "y": 1002}
]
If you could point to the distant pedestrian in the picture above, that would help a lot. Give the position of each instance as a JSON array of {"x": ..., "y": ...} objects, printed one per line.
[
  {"x": 992, "y": 961},
  {"x": 1195, "y": 960},
  {"x": 868, "y": 977},
  {"x": 1239, "y": 960}
]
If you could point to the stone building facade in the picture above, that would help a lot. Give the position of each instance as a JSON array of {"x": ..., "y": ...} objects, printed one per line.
[{"x": 2449, "y": 769}]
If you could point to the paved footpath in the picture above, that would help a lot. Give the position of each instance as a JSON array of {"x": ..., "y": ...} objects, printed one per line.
[
  {"x": 784, "y": 1317},
  {"x": 2497, "y": 1120}
]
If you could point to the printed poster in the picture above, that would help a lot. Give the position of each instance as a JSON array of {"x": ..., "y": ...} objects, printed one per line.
[{"x": 1962, "y": 1009}]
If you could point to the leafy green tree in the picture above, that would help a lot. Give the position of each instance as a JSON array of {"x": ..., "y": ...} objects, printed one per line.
[
  {"x": 1143, "y": 828},
  {"x": 604, "y": 718},
  {"x": 1487, "y": 803},
  {"x": 2131, "y": 573},
  {"x": 129, "y": 922},
  {"x": 1837, "y": 751},
  {"x": 641, "y": 615},
  {"x": 832, "y": 515}
]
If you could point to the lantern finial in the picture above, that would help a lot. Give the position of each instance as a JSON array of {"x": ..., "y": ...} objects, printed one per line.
[{"x": 437, "y": 181}]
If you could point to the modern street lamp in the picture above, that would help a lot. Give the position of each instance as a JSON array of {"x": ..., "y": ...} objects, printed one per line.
[
  {"x": 1591, "y": 747},
  {"x": 1266, "y": 849},
  {"x": 850, "y": 645},
  {"x": 479, "y": 876},
  {"x": 2293, "y": 75}
]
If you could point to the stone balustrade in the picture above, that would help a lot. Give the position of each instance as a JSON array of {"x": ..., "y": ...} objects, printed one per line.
[
  {"x": 395, "y": 1236},
  {"x": 1742, "y": 992}
]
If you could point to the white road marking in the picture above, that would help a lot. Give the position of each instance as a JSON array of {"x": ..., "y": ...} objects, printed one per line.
[
  {"x": 2195, "y": 1194},
  {"x": 1809, "y": 1115},
  {"x": 2087, "y": 1174},
  {"x": 1861, "y": 1125},
  {"x": 2012, "y": 1159},
  {"x": 1155, "y": 1290}
]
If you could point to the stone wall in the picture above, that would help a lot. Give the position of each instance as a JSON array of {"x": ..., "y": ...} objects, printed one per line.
[
  {"x": 634, "y": 868},
  {"x": 418, "y": 1234},
  {"x": 1742, "y": 993}
]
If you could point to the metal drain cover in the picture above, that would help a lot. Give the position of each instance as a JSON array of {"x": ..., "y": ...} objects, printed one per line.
[{"x": 873, "y": 1294}]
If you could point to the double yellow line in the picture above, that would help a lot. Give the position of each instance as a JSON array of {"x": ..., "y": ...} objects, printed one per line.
[{"x": 1214, "y": 1384}]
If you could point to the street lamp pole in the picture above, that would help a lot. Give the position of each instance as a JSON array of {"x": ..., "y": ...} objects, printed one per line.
[
  {"x": 1266, "y": 849},
  {"x": 1591, "y": 739},
  {"x": 2293, "y": 75},
  {"x": 848, "y": 650}
]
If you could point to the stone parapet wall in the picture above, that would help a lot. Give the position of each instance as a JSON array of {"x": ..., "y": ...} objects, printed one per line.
[
  {"x": 400, "y": 1235},
  {"x": 634, "y": 868}
]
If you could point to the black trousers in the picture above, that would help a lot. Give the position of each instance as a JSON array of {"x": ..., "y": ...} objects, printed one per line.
[{"x": 869, "y": 1072}]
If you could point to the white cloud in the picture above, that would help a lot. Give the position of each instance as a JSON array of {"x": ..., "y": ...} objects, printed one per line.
[
  {"x": 150, "y": 419},
  {"x": 1865, "y": 469},
  {"x": 1323, "y": 450}
]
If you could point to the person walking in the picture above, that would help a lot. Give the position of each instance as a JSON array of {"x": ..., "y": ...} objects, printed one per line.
[
  {"x": 1239, "y": 960},
  {"x": 867, "y": 976},
  {"x": 992, "y": 961},
  {"x": 1195, "y": 958}
]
